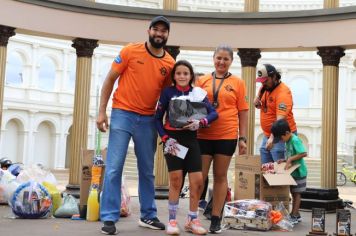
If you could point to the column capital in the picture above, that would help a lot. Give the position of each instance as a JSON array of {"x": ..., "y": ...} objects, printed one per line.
[
  {"x": 249, "y": 56},
  {"x": 84, "y": 47},
  {"x": 5, "y": 33},
  {"x": 172, "y": 50},
  {"x": 330, "y": 56}
]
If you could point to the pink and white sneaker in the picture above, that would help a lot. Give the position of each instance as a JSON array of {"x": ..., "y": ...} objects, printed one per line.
[
  {"x": 195, "y": 227},
  {"x": 172, "y": 228}
]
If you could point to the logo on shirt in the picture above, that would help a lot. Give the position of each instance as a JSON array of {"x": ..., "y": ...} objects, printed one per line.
[
  {"x": 229, "y": 88},
  {"x": 118, "y": 59},
  {"x": 163, "y": 71},
  {"x": 282, "y": 106}
]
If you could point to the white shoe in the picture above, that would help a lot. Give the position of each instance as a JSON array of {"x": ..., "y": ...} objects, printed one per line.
[{"x": 172, "y": 228}]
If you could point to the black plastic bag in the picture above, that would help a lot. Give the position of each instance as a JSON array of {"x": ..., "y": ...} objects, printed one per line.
[{"x": 181, "y": 111}]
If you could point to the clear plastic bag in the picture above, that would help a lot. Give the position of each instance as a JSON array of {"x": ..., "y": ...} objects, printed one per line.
[
  {"x": 8, "y": 185},
  {"x": 68, "y": 208},
  {"x": 31, "y": 200},
  {"x": 125, "y": 200},
  {"x": 283, "y": 222},
  {"x": 36, "y": 173},
  {"x": 248, "y": 214}
]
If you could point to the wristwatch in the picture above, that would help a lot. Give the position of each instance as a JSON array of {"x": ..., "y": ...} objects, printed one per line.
[{"x": 242, "y": 138}]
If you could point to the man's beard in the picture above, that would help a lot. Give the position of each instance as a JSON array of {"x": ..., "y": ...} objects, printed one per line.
[{"x": 155, "y": 44}]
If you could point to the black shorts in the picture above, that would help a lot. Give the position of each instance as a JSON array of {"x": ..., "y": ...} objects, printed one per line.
[
  {"x": 221, "y": 146},
  {"x": 192, "y": 161}
]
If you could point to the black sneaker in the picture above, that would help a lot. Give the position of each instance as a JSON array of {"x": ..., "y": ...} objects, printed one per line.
[
  {"x": 153, "y": 223},
  {"x": 109, "y": 228},
  {"x": 215, "y": 225}
]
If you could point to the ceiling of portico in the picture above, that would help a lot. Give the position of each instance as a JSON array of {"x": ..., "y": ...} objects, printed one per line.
[{"x": 298, "y": 30}]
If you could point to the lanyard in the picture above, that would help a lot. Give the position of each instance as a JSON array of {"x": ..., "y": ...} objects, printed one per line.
[{"x": 216, "y": 92}]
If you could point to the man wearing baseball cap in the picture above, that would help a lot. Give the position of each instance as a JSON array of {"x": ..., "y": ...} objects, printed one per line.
[
  {"x": 144, "y": 70},
  {"x": 275, "y": 102}
]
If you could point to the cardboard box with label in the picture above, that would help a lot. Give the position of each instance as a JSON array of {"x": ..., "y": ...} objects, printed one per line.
[
  {"x": 251, "y": 183},
  {"x": 85, "y": 180}
]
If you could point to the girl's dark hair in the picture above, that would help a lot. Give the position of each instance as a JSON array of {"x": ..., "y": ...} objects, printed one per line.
[
  {"x": 183, "y": 63},
  {"x": 224, "y": 47},
  {"x": 279, "y": 128}
]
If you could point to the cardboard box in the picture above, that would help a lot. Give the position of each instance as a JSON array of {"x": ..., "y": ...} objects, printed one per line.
[
  {"x": 250, "y": 183},
  {"x": 85, "y": 180}
]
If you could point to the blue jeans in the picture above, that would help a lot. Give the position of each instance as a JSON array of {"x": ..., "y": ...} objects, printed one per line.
[
  {"x": 124, "y": 126},
  {"x": 277, "y": 152}
]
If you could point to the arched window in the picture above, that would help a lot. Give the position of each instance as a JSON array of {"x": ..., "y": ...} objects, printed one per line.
[
  {"x": 47, "y": 74},
  {"x": 300, "y": 92},
  {"x": 14, "y": 67},
  {"x": 13, "y": 141},
  {"x": 45, "y": 144}
]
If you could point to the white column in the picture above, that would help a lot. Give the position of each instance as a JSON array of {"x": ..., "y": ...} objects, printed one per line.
[
  {"x": 314, "y": 141},
  {"x": 315, "y": 97},
  {"x": 342, "y": 104},
  {"x": 65, "y": 75},
  {"x": 26, "y": 75},
  {"x": 60, "y": 163},
  {"x": 58, "y": 81},
  {"x": 35, "y": 67},
  {"x": 31, "y": 138},
  {"x": 57, "y": 147},
  {"x": 96, "y": 74},
  {"x": 25, "y": 134}
]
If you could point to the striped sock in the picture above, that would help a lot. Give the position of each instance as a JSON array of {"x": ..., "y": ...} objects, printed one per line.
[{"x": 172, "y": 209}]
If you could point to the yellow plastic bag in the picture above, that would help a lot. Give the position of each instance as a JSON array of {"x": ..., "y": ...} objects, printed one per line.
[{"x": 55, "y": 195}]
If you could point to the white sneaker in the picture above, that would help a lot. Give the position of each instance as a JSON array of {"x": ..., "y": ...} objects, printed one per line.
[
  {"x": 172, "y": 228},
  {"x": 195, "y": 227}
]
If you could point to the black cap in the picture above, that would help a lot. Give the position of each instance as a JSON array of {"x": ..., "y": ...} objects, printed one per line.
[{"x": 162, "y": 19}]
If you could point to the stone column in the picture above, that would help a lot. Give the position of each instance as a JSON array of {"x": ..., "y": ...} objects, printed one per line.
[
  {"x": 84, "y": 49},
  {"x": 161, "y": 171},
  {"x": 5, "y": 33},
  {"x": 249, "y": 58},
  {"x": 331, "y": 4},
  {"x": 331, "y": 58},
  {"x": 171, "y": 5},
  {"x": 252, "y": 5}
]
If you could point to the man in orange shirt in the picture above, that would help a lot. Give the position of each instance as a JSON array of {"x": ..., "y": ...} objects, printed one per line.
[
  {"x": 143, "y": 70},
  {"x": 275, "y": 102}
]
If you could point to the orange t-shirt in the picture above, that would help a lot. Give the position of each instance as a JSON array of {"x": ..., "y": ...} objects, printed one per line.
[
  {"x": 278, "y": 102},
  {"x": 232, "y": 98},
  {"x": 142, "y": 77}
]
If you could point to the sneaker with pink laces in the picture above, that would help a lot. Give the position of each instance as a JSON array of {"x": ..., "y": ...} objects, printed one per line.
[
  {"x": 195, "y": 227},
  {"x": 172, "y": 228}
]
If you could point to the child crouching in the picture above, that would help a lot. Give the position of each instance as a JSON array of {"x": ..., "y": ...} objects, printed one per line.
[{"x": 295, "y": 153}]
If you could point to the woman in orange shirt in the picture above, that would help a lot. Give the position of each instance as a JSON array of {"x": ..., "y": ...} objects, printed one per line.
[{"x": 218, "y": 142}]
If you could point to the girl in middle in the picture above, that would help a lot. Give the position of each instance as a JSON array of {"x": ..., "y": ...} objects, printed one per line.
[{"x": 183, "y": 76}]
